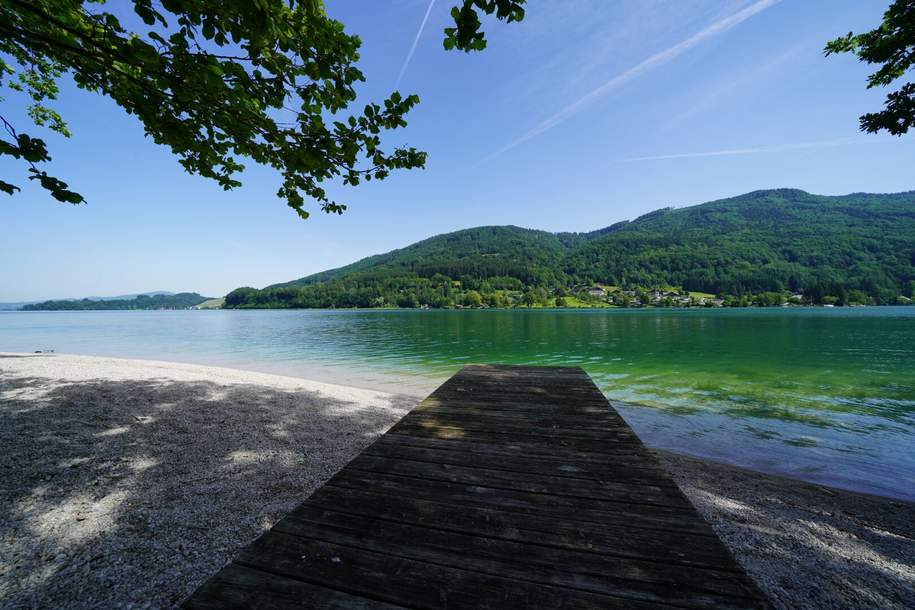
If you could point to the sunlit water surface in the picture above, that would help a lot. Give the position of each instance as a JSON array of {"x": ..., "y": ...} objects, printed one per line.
[{"x": 826, "y": 395}]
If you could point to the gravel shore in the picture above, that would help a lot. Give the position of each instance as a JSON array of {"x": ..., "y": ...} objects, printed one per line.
[
  {"x": 805, "y": 545},
  {"x": 126, "y": 483}
]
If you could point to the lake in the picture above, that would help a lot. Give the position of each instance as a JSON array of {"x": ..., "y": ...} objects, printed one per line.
[{"x": 826, "y": 395}]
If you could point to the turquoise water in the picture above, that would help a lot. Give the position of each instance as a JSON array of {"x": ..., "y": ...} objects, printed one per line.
[{"x": 826, "y": 395}]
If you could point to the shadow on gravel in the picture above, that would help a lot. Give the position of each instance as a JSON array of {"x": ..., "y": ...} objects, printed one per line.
[
  {"x": 134, "y": 492},
  {"x": 805, "y": 545}
]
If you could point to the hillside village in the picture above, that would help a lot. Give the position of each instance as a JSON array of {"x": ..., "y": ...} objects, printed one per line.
[
  {"x": 672, "y": 297},
  {"x": 598, "y": 295}
]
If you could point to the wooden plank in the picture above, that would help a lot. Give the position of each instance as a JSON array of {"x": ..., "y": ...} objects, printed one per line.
[
  {"x": 629, "y": 458},
  {"x": 569, "y": 468},
  {"x": 508, "y": 487},
  {"x": 594, "y": 443},
  {"x": 600, "y": 574},
  {"x": 609, "y": 490},
  {"x": 240, "y": 587},
  {"x": 512, "y": 409},
  {"x": 594, "y": 511},
  {"x": 417, "y": 584},
  {"x": 521, "y": 411},
  {"x": 551, "y": 426},
  {"x": 620, "y": 540}
]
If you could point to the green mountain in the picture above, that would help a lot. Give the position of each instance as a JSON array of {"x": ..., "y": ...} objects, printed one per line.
[
  {"x": 775, "y": 241},
  {"x": 483, "y": 252},
  {"x": 182, "y": 300}
]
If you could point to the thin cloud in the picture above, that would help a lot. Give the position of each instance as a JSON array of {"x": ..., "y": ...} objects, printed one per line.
[
  {"x": 740, "y": 80},
  {"x": 743, "y": 151},
  {"x": 419, "y": 32},
  {"x": 659, "y": 59}
]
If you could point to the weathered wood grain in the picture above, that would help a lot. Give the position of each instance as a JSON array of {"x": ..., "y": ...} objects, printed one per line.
[{"x": 508, "y": 487}]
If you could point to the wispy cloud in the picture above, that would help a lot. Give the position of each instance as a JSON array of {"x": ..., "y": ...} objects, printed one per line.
[
  {"x": 744, "y": 151},
  {"x": 419, "y": 32},
  {"x": 743, "y": 78},
  {"x": 656, "y": 60}
]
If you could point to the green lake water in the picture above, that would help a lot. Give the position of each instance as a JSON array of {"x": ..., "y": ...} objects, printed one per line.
[{"x": 827, "y": 395}]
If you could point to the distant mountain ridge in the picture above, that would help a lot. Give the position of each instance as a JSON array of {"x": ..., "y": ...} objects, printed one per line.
[
  {"x": 15, "y": 305},
  {"x": 12, "y": 306},
  {"x": 152, "y": 300},
  {"x": 784, "y": 240},
  {"x": 126, "y": 297}
]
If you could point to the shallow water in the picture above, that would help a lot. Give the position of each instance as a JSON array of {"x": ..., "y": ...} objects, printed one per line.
[{"x": 827, "y": 395}]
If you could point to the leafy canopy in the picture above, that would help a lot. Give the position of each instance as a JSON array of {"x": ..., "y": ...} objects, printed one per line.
[
  {"x": 892, "y": 46},
  {"x": 218, "y": 81}
]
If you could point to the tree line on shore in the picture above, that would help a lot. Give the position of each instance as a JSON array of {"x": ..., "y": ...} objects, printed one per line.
[{"x": 445, "y": 293}]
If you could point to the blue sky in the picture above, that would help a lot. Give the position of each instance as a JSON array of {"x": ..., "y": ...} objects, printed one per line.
[{"x": 587, "y": 113}]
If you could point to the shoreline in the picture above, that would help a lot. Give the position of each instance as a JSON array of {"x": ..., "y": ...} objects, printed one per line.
[
  {"x": 384, "y": 383},
  {"x": 117, "y": 463},
  {"x": 336, "y": 380},
  {"x": 201, "y": 368},
  {"x": 551, "y": 308}
]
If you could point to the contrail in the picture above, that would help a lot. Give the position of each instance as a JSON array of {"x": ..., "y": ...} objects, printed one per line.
[
  {"x": 743, "y": 151},
  {"x": 659, "y": 59},
  {"x": 419, "y": 33}
]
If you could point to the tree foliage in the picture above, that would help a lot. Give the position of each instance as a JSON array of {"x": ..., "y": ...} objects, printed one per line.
[
  {"x": 891, "y": 46},
  {"x": 466, "y": 34},
  {"x": 219, "y": 82}
]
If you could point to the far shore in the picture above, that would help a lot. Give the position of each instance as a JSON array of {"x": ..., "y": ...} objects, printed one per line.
[
  {"x": 580, "y": 307},
  {"x": 132, "y": 481}
]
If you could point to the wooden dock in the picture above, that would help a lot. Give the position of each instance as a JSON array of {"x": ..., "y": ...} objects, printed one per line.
[{"x": 508, "y": 487}]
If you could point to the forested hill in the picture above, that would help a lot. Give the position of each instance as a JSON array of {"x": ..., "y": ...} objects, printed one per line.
[
  {"x": 482, "y": 252},
  {"x": 776, "y": 241},
  {"x": 182, "y": 300}
]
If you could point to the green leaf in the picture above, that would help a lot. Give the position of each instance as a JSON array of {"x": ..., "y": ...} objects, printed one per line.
[{"x": 8, "y": 188}]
